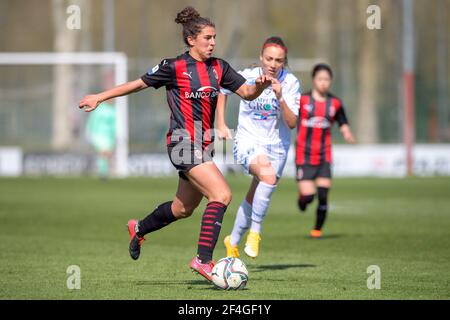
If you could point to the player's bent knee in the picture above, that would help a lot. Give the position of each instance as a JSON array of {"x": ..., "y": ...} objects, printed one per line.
[
  {"x": 269, "y": 179},
  {"x": 184, "y": 213},
  {"x": 181, "y": 211},
  {"x": 222, "y": 197},
  {"x": 307, "y": 198}
]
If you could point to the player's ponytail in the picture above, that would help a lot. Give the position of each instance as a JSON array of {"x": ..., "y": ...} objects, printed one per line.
[
  {"x": 192, "y": 23},
  {"x": 276, "y": 42},
  {"x": 186, "y": 15}
]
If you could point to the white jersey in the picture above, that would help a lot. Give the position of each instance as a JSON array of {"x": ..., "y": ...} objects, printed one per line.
[{"x": 261, "y": 120}]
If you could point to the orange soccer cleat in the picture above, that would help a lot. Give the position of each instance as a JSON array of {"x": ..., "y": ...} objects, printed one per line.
[{"x": 316, "y": 234}]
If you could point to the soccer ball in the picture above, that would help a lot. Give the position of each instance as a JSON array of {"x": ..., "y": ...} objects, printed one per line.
[{"x": 230, "y": 274}]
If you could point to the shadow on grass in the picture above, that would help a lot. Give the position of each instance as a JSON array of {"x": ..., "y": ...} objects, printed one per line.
[
  {"x": 204, "y": 285},
  {"x": 271, "y": 267},
  {"x": 329, "y": 236},
  {"x": 191, "y": 284},
  {"x": 171, "y": 282}
]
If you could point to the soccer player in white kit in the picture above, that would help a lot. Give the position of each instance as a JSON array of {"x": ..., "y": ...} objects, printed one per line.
[{"x": 262, "y": 141}]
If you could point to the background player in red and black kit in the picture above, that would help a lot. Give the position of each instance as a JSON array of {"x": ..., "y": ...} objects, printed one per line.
[
  {"x": 319, "y": 109},
  {"x": 193, "y": 81}
]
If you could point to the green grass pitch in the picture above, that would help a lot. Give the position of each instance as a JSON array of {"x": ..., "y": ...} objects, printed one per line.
[{"x": 400, "y": 225}]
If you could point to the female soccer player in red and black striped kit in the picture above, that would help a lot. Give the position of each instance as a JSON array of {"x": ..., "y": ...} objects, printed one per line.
[
  {"x": 318, "y": 111},
  {"x": 192, "y": 82}
]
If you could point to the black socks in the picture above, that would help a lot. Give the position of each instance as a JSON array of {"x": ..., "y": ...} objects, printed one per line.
[
  {"x": 322, "y": 208},
  {"x": 209, "y": 233},
  {"x": 304, "y": 200},
  {"x": 159, "y": 218}
]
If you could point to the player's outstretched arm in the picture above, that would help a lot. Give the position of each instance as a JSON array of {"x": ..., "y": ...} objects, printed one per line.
[
  {"x": 252, "y": 91},
  {"x": 347, "y": 133},
  {"x": 90, "y": 102},
  {"x": 222, "y": 128}
]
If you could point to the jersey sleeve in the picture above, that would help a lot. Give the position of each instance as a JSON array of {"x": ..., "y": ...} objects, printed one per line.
[
  {"x": 245, "y": 74},
  {"x": 225, "y": 91},
  {"x": 160, "y": 75},
  {"x": 231, "y": 80},
  {"x": 292, "y": 96},
  {"x": 340, "y": 115}
]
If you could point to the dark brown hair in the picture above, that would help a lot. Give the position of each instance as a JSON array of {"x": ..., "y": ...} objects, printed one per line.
[
  {"x": 322, "y": 66},
  {"x": 192, "y": 23}
]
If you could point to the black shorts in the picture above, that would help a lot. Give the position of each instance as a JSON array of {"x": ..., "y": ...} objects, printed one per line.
[
  {"x": 309, "y": 172},
  {"x": 185, "y": 156}
]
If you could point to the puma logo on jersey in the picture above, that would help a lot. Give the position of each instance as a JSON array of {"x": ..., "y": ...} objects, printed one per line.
[
  {"x": 153, "y": 70},
  {"x": 189, "y": 75}
]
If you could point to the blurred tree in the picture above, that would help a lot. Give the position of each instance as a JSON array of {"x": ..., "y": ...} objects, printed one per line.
[
  {"x": 234, "y": 31},
  {"x": 68, "y": 38},
  {"x": 366, "y": 126},
  {"x": 324, "y": 18},
  {"x": 64, "y": 41},
  {"x": 346, "y": 53},
  {"x": 442, "y": 69}
]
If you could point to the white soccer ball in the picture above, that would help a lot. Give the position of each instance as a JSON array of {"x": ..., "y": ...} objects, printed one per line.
[{"x": 230, "y": 274}]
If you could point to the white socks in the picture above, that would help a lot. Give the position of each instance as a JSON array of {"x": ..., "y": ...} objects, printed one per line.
[
  {"x": 241, "y": 223},
  {"x": 261, "y": 201},
  {"x": 252, "y": 216}
]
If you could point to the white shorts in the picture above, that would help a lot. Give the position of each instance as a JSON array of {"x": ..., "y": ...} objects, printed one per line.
[{"x": 245, "y": 151}]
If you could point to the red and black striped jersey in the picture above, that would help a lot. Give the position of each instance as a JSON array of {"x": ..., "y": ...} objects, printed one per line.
[
  {"x": 192, "y": 88},
  {"x": 313, "y": 143}
]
